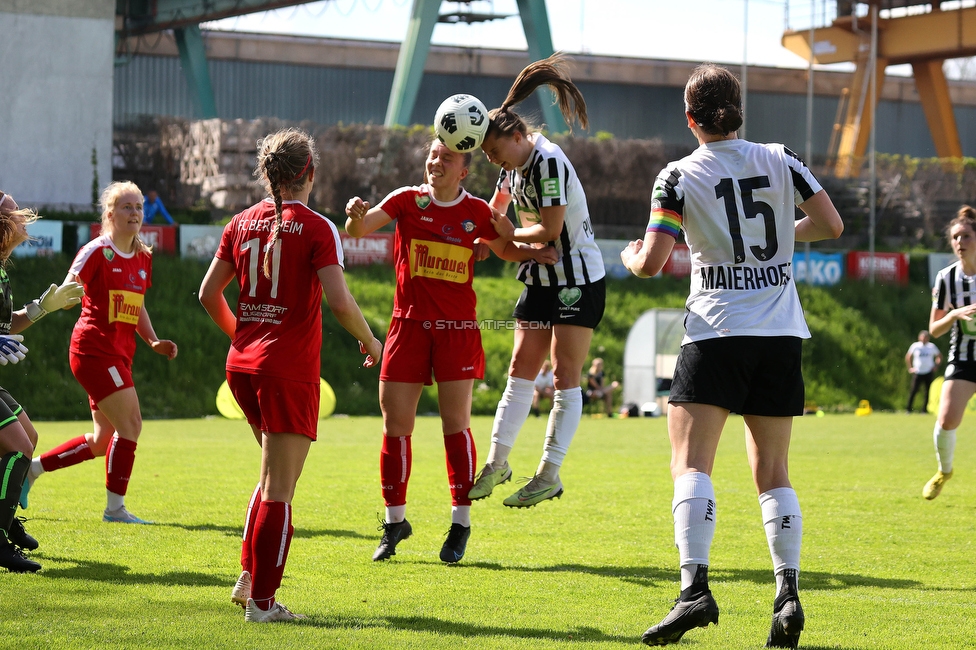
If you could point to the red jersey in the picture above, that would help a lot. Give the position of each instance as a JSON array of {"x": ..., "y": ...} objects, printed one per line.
[
  {"x": 115, "y": 287},
  {"x": 433, "y": 252},
  {"x": 279, "y": 320}
]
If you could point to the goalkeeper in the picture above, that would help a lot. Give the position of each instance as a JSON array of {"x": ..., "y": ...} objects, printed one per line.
[{"x": 17, "y": 435}]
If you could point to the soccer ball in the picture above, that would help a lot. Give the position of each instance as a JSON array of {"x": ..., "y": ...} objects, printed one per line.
[{"x": 461, "y": 122}]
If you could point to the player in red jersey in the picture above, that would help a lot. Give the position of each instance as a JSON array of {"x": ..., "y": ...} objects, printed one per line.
[
  {"x": 116, "y": 270},
  {"x": 17, "y": 434},
  {"x": 283, "y": 256},
  {"x": 434, "y": 331}
]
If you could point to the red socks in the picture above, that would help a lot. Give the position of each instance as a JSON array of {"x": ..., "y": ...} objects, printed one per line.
[
  {"x": 247, "y": 557},
  {"x": 462, "y": 458},
  {"x": 396, "y": 459},
  {"x": 67, "y": 454},
  {"x": 119, "y": 458},
  {"x": 273, "y": 531}
]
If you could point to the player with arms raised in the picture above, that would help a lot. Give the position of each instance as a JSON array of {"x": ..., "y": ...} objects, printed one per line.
[
  {"x": 741, "y": 351},
  {"x": 434, "y": 332},
  {"x": 562, "y": 302},
  {"x": 284, "y": 256}
]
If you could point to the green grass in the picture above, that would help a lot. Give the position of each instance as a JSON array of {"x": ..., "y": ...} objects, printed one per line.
[
  {"x": 860, "y": 334},
  {"x": 881, "y": 567}
]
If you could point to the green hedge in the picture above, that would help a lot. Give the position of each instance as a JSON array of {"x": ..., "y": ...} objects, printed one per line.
[{"x": 860, "y": 335}]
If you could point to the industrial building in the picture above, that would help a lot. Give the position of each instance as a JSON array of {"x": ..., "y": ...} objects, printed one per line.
[{"x": 68, "y": 82}]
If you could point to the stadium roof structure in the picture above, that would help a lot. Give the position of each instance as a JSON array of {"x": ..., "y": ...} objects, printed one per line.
[{"x": 139, "y": 17}]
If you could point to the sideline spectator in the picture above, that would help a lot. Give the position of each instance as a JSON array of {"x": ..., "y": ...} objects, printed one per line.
[
  {"x": 923, "y": 359},
  {"x": 153, "y": 205},
  {"x": 596, "y": 390},
  {"x": 544, "y": 387}
]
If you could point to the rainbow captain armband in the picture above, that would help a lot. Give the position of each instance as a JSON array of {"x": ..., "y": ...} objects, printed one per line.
[{"x": 664, "y": 221}]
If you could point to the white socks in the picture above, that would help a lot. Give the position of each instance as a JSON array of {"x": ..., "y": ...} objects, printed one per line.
[
  {"x": 945, "y": 445},
  {"x": 564, "y": 419},
  {"x": 784, "y": 529},
  {"x": 693, "y": 508},
  {"x": 396, "y": 514},
  {"x": 114, "y": 501},
  {"x": 694, "y": 525},
  {"x": 513, "y": 410},
  {"x": 461, "y": 515},
  {"x": 511, "y": 413}
]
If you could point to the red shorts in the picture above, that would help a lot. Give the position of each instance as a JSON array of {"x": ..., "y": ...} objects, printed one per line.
[
  {"x": 415, "y": 351},
  {"x": 276, "y": 405},
  {"x": 100, "y": 376}
]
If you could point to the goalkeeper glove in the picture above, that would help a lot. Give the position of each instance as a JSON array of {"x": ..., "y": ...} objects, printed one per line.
[
  {"x": 56, "y": 297},
  {"x": 11, "y": 349}
]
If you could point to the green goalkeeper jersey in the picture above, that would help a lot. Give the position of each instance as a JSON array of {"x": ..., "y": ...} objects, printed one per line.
[{"x": 6, "y": 303}]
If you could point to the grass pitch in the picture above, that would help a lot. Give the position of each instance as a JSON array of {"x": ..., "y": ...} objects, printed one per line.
[{"x": 881, "y": 567}]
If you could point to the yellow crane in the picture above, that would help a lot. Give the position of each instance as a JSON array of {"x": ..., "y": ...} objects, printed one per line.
[{"x": 924, "y": 37}]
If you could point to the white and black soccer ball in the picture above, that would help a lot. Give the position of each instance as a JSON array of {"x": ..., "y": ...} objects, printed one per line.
[{"x": 461, "y": 122}]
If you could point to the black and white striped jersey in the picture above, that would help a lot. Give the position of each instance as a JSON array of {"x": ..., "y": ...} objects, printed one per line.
[
  {"x": 954, "y": 289},
  {"x": 548, "y": 179}
]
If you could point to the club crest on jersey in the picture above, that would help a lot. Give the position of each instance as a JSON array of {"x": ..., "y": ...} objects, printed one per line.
[
  {"x": 423, "y": 200},
  {"x": 108, "y": 253},
  {"x": 142, "y": 273},
  {"x": 468, "y": 226},
  {"x": 569, "y": 296}
]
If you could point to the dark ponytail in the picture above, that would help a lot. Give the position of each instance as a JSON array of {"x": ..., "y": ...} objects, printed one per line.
[
  {"x": 714, "y": 99},
  {"x": 547, "y": 72}
]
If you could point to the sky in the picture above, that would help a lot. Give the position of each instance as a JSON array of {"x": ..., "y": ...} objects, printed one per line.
[{"x": 692, "y": 30}]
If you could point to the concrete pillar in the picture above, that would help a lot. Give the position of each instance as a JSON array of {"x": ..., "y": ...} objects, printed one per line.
[{"x": 56, "y": 65}]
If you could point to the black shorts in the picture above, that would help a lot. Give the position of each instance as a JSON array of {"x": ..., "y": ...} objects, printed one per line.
[
  {"x": 581, "y": 305},
  {"x": 9, "y": 408},
  {"x": 966, "y": 371},
  {"x": 749, "y": 375}
]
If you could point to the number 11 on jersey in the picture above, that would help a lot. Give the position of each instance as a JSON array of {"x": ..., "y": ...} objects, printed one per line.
[{"x": 252, "y": 247}]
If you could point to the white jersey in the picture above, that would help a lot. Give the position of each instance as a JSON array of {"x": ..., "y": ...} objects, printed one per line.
[
  {"x": 544, "y": 380},
  {"x": 735, "y": 200},
  {"x": 923, "y": 356},
  {"x": 954, "y": 289},
  {"x": 548, "y": 179}
]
